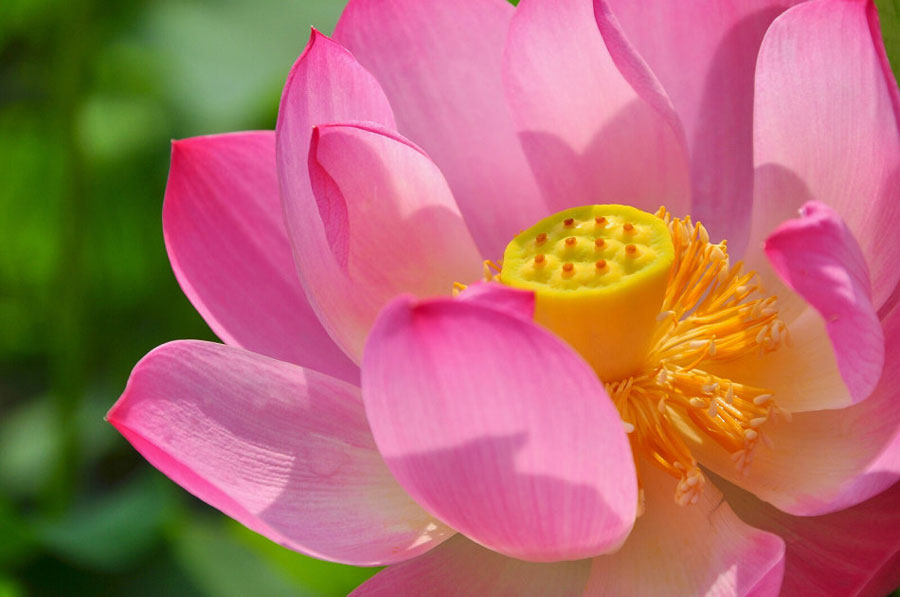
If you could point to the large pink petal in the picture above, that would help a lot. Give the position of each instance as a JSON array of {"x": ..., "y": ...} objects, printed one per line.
[
  {"x": 705, "y": 56},
  {"x": 826, "y": 127},
  {"x": 391, "y": 226},
  {"x": 851, "y": 552},
  {"x": 499, "y": 429},
  {"x": 824, "y": 461},
  {"x": 325, "y": 85},
  {"x": 700, "y": 549},
  {"x": 230, "y": 252},
  {"x": 817, "y": 256},
  {"x": 461, "y": 568},
  {"x": 440, "y": 65},
  {"x": 284, "y": 450},
  {"x": 594, "y": 123}
]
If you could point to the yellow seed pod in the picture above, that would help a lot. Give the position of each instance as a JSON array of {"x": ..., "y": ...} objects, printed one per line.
[{"x": 599, "y": 275}]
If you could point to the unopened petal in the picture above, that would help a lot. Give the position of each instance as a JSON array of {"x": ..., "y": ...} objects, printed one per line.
[
  {"x": 391, "y": 226},
  {"x": 325, "y": 85}
]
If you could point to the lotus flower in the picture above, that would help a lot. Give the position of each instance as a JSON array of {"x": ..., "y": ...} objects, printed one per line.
[{"x": 632, "y": 403}]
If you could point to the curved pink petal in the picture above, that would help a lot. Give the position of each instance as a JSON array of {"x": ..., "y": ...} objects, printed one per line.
[
  {"x": 506, "y": 299},
  {"x": 817, "y": 256},
  {"x": 440, "y": 66},
  {"x": 822, "y": 461},
  {"x": 498, "y": 428},
  {"x": 700, "y": 549},
  {"x": 390, "y": 224},
  {"x": 226, "y": 240},
  {"x": 325, "y": 85},
  {"x": 705, "y": 57},
  {"x": 461, "y": 568},
  {"x": 851, "y": 552},
  {"x": 283, "y": 450},
  {"x": 595, "y": 125},
  {"x": 836, "y": 350},
  {"x": 826, "y": 127}
]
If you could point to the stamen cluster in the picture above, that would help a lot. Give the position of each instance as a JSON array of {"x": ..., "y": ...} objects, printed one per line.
[{"x": 712, "y": 313}]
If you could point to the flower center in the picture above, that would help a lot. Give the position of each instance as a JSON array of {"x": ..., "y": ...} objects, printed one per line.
[
  {"x": 652, "y": 305},
  {"x": 599, "y": 276}
]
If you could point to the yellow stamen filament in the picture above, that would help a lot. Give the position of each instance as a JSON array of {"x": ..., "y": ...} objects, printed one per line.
[
  {"x": 491, "y": 271},
  {"x": 711, "y": 313}
]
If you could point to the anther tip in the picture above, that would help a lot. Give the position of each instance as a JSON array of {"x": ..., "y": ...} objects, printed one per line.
[
  {"x": 540, "y": 238},
  {"x": 601, "y": 264},
  {"x": 570, "y": 241},
  {"x": 599, "y": 242},
  {"x": 539, "y": 258},
  {"x": 631, "y": 249},
  {"x": 568, "y": 222},
  {"x": 568, "y": 267},
  {"x": 628, "y": 227},
  {"x": 600, "y": 220}
]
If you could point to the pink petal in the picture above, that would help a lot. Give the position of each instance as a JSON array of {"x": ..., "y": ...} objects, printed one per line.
[
  {"x": 503, "y": 298},
  {"x": 283, "y": 450},
  {"x": 817, "y": 256},
  {"x": 700, "y": 549},
  {"x": 325, "y": 85},
  {"x": 440, "y": 65},
  {"x": 826, "y": 127},
  {"x": 459, "y": 567},
  {"x": 594, "y": 123},
  {"x": 499, "y": 429},
  {"x": 230, "y": 252},
  {"x": 851, "y": 552},
  {"x": 705, "y": 56},
  {"x": 836, "y": 349},
  {"x": 391, "y": 226},
  {"x": 824, "y": 461}
]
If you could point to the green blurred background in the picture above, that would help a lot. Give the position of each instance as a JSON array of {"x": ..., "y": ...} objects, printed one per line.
[{"x": 91, "y": 92}]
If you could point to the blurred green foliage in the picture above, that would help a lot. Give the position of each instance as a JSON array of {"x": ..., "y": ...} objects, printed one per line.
[{"x": 91, "y": 91}]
